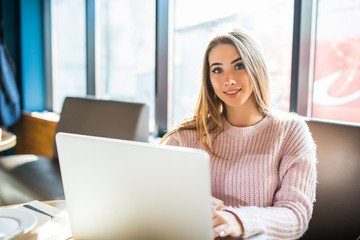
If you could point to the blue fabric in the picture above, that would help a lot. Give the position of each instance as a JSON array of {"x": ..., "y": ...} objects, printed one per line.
[{"x": 9, "y": 93}]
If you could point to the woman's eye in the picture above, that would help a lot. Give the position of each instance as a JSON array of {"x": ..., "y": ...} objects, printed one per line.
[
  {"x": 217, "y": 70},
  {"x": 239, "y": 66}
]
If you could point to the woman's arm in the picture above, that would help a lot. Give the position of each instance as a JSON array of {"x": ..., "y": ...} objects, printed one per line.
[
  {"x": 292, "y": 206},
  {"x": 290, "y": 214}
]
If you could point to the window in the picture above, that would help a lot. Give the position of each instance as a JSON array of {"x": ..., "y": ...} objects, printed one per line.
[
  {"x": 68, "y": 50},
  {"x": 126, "y": 33},
  {"x": 125, "y": 41},
  {"x": 336, "y": 87},
  {"x": 270, "y": 21},
  {"x": 125, "y": 51}
]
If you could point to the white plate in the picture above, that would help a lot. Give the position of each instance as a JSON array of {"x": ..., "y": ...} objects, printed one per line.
[{"x": 15, "y": 221}]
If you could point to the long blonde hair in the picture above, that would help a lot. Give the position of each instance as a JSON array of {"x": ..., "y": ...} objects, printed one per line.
[{"x": 209, "y": 109}]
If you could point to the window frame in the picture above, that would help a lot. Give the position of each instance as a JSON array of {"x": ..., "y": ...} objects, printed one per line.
[{"x": 303, "y": 56}]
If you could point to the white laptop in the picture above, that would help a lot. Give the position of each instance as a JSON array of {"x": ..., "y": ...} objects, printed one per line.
[{"x": 118, "y": 189}]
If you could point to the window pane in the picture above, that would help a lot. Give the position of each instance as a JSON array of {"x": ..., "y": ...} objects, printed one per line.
[
  {"x": 68, "y": 50},
  {"x": 270, "y": 21},
  {"x": 336, "y": 88},
  {"x": 127, "y": 51}
]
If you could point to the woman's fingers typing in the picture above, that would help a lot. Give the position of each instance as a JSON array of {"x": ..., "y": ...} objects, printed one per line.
[
  {"x": 225, "y": 224},
  {"x": 217, "y": 204}
]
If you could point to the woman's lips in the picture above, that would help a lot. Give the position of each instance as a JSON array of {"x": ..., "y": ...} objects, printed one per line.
[{"x": 233, "y": 93}]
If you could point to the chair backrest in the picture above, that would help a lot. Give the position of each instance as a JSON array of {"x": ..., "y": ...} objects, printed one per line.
[
  {"x": 105, "y": 118},
  {"x": 336, "y": 210}
]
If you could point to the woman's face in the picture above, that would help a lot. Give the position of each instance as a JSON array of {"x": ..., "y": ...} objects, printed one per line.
[{"x": 228, "y": 77}]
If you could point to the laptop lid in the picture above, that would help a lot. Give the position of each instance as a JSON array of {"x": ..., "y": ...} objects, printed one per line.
[{"x": 119, "y": 189}]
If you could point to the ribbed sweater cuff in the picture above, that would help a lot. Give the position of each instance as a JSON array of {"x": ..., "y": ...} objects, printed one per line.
[{"x": 248, "y": 219}]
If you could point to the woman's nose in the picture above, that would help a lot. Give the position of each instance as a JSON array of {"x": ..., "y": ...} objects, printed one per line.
[{"x": 229, "y": 82}]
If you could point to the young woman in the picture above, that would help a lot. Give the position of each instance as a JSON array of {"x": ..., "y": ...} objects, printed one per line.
[{"x": 263, "y": 161}]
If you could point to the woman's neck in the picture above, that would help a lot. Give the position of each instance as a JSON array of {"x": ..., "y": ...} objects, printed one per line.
[{"x": 244, "y": 116}]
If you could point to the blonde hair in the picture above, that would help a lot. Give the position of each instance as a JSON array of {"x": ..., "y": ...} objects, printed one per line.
[{"x": 209, "y": 109}]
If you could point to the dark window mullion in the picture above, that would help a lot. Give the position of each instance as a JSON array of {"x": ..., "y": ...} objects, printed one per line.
[
  {"x": 47, "y": 55},
  {"x": 302, "y": 56},
  {"x": 161, "y": 71},
  {"x": 90, "y": 47}
]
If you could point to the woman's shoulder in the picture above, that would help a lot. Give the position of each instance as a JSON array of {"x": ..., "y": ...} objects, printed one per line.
[
  {"x": 183, "y": 133},
  {"x": 290, "y": 119},
  {"x": 294, "y": 129}
]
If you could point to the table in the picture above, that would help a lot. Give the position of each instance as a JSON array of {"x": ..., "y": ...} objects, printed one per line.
[
  {"x": 60, "y": 204},
  {"x": 8, "y": 140}
]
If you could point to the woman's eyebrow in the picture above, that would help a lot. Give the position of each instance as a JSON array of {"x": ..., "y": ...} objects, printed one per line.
[
  {"x": 236, "y": 60},
  {"x": 217, "y": 63}
]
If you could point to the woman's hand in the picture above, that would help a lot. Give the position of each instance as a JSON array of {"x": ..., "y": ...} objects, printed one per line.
[
  {"x": 226, "y": 224},
  {"x": 217, "y": 204}
]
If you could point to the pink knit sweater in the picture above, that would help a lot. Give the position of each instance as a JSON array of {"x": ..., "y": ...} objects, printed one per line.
[{"x": 268, "y": 174}]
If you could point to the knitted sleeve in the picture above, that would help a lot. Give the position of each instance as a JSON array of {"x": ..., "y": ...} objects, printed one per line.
[{"x": 290, "y": 213}]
